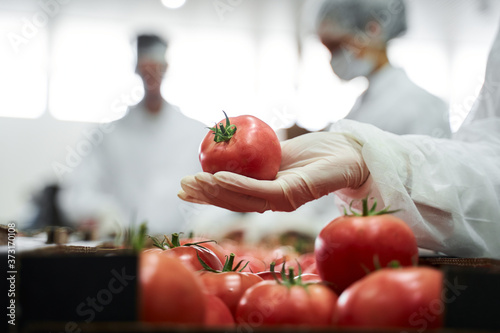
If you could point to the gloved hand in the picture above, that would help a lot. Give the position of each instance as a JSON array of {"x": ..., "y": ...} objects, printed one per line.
[{"x": 313, "y": 165}]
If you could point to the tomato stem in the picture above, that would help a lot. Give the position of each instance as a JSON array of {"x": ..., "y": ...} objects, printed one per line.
[
  {"x": 175, "y": 240},
  {"x": 223, "y": 133},
  {"x": 289, "y": 280},
  {"x": 200, "y": 242},
  {"x": 291, "y": 276},
  {"x": 365, "y": 207},
  {"x": 228, "y": 265},
  {"x": 366, "y": 211},
  {"x": 157, "y": 243},
  {"x": 168, "y": 241}
]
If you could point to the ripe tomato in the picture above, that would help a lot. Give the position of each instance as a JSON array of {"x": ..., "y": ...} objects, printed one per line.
[
  {"x": 287, "y": 302},
  {"x": 218, "y": 250},
  {"x": 255, "y": 265},
  {"x": 189, "y": 253},
  {"x": 245, "y": 145},
  {"x": 308, "y": 262},
  {"x": 311, "y": 277},
  {"x": 394, "y": 298},
  {"x": 269, "y": 275},
  {"x": 218, "y": 313},
  {"x": 350, "y": 247},
  {"x": 306, "y": 277},
  {"x": 168, "y": 291},
  {"x": 228, "y": 284}
]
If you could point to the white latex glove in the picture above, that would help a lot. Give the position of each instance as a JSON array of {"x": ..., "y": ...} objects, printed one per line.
[{"x": 312, "y": 166}]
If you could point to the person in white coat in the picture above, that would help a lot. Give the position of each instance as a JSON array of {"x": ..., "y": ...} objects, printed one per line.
[
  {"x": 133, "y": 175},
  {"x": 357, "y": 33},
  {"x": 448, "y": 190}
]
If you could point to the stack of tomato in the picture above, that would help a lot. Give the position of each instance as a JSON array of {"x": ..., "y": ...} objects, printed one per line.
[{"x": 363, "y": 273}]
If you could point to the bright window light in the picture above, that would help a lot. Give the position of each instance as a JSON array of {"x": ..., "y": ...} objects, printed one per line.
[
  {"x": 467, "y": 78},
  {"x": 210, "y": 71},
  {"x": 276, "y": 68},
  {"x": 92, "y": 78},
  {"x": 23, "y": 64},
  {"x": 322, "y": 97},
  {"x": 426, "y": 62},
  {"x": 173, "y": 4}
]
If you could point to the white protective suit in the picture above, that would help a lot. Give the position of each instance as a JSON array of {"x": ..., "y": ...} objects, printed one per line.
[
  {"x": 134, "y": 173},
  {"x": 395, "y": 104},
  {"x": 449, "y": 189}
]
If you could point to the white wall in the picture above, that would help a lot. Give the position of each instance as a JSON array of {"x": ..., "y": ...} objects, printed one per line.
[
  {"x": 243, "y": 59},
  {"x": 28, "y": 149}
]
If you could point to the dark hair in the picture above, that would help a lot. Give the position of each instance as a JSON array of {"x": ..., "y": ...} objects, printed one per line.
[{"x": 145, "y": 42}]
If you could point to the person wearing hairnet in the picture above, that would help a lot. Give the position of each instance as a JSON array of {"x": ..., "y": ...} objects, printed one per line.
[
  {"x": 133, "y": 174},
  {"x": 357, "y": 33},
  {"x": 448, "y": 190}
]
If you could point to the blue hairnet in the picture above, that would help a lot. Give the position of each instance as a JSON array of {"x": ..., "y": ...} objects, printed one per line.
[{"x": 354, "y": 15}]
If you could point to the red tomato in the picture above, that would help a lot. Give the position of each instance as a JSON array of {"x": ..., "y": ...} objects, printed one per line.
[
  {"x": 245, "y": 145},
  {"x": 168, "y": 291},
  {"x": 255, "y": 265},
  {"x": 307, "y": 261},
  {"x": 269, "y": 275},
  {"x": 218, "y": 313},
  {"x": 311, "y": 278},
  {"x": 279, "y": 255},
  {"x": 271, "y": 303},
  {"x": 212, "y": 246},
  {"x": 394, "y": 298},
  {"x": 189, "y": 254},
  {"x": 228, "y": 284},
  {"x": 350, "y": 247},
  {"x": 311, "y": 269}
]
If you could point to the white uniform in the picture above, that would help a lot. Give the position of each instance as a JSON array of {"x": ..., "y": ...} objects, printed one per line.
[
  {"x": 449, "y": 189},
  {"x": 395, "y": 104},
  {"x": 134, "y": 174}
]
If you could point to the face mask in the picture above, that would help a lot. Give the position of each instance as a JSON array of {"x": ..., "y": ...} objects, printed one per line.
[{"x": 346, "y": 66}]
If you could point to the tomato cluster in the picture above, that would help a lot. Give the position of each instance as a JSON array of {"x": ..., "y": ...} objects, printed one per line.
[{"x": 351, "y": 280}]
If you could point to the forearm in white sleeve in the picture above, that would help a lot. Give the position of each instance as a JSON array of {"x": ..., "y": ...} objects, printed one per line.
[{"x": 448, "y": 190}]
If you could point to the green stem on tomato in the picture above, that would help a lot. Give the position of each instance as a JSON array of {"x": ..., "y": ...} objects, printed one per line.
[
  {"x": 223, "y": 133},
  {"x": 168, "y": 241},
  {"x": 366, "y": 211},
  {"x": 291, "y": 279},
  {"x": 175, "y": 240},
  {"x": 228, "y": 265}
]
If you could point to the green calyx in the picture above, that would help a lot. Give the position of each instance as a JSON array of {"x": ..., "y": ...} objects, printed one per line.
[
  {"x": 369, "y": 211},
  {"x": 167, "y": 243},
  {"x": 223, "y": 133},
  {"x": 378, "y": 266},
  {"x": 228, "y": 265},
  {"x": 290, "y": 279}
]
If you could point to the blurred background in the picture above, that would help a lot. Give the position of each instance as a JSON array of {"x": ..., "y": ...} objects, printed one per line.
[{"x": 67, "y": 65}]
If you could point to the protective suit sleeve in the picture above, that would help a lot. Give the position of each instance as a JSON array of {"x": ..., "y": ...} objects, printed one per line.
[{"x": 448, "y": 190}]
